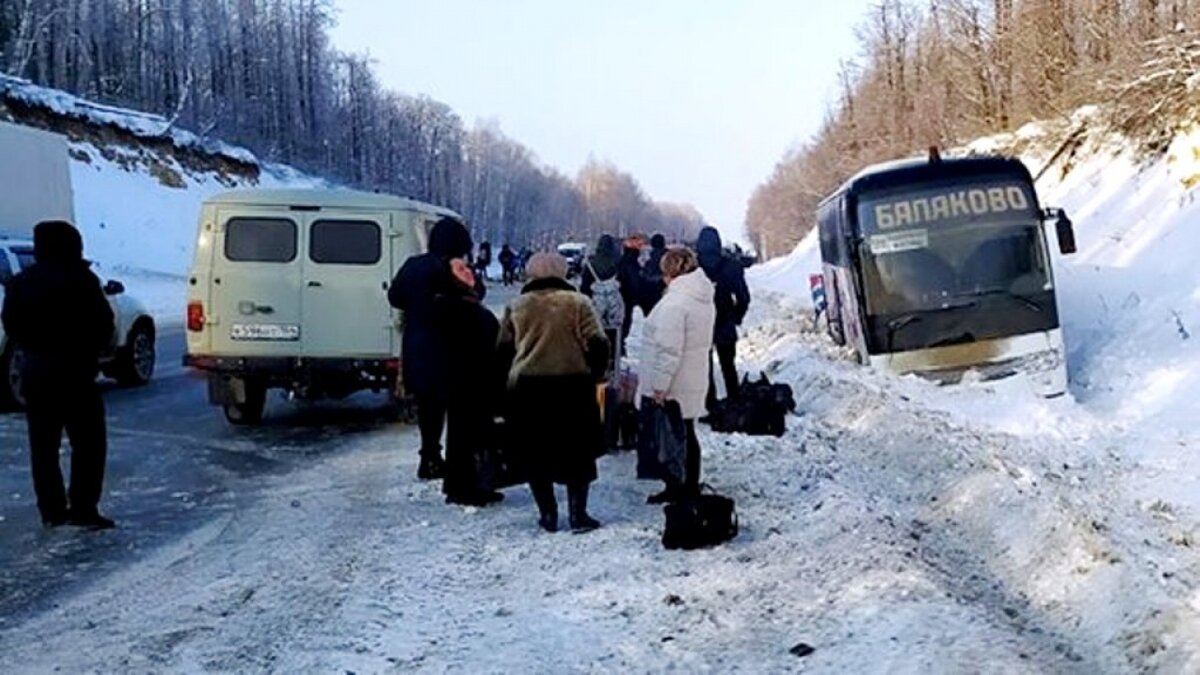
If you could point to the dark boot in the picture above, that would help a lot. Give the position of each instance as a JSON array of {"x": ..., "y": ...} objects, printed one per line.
[
  {"x": 577, "y": 498},
  {"x": 92, "y": 520},
  {"x": 432, "y": 468},
  {"x": 543, "y": 496}
]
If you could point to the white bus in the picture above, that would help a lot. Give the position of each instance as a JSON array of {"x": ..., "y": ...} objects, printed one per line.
[{"x": 941, "y": 267}]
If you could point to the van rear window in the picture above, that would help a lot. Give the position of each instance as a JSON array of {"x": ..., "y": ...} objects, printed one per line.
[
  {"x": 260, "y": 240},
  {"x": 345, "y": 242}
]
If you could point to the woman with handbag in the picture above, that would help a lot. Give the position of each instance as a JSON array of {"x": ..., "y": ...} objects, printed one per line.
[
  {"x": 558, "y": 353},
  {"x": 677, "y": 338}
]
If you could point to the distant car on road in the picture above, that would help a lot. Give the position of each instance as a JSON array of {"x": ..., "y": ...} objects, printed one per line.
[
  {"x": 129, "y": 360},
  {"x": 574, "y": 254}
]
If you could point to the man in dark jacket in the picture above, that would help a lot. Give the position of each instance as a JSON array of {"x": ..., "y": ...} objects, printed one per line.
[
  {"x": 412, "y": 292},
  {"x": 732, "y": 300},
  {"x": 629, "y": 273},
  {"x": 508, "y": 264},
  {"x": 652, "y": 276},
  {"x": 56, "y": 312}
]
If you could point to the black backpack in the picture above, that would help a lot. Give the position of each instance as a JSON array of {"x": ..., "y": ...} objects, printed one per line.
[
  {"x": 759, "y": 409},
  {"x": 700, "y": 521}
]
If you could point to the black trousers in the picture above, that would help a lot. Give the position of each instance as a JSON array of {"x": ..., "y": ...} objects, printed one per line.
[
  {"x": 431, "y": 420},
  {"x": 727, "y": 357},
  {"x": 466, "y": 433},
  {"x": 79, "y": 411},
  {"x": 691, "y": 463}
]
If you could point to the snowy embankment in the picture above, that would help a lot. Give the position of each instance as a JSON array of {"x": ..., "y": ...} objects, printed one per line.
[
  {"x": 142, "y": 230},
  {"x": 1082, "y": 511},
  {"x": 138, "y": 182}
]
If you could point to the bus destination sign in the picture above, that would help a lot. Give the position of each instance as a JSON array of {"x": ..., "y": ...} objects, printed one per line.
[{"x": 945, "y": 207}]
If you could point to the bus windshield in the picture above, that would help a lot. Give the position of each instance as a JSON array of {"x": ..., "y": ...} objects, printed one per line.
[{"x": 938, "y": 248}]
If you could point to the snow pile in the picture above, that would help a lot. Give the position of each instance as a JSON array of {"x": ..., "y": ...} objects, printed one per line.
[
  {"x": 140, "y": 124},
  {"x": 789, "y": 275}
]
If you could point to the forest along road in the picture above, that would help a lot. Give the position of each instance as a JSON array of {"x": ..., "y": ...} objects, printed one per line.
[{"x": 173, "y": 465}]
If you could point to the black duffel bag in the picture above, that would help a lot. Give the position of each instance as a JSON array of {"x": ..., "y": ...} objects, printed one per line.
[{"x": 700, "y": 521}]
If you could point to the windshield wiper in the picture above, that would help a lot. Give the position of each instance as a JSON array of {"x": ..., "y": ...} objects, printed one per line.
[
  {"x": 904, "y": 320},
  {"x": 1023, "y": 299}
]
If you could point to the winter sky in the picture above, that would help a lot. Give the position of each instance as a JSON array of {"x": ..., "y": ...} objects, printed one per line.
[{"x": 697, "y": 98}]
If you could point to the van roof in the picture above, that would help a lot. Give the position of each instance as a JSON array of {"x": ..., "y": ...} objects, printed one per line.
[{"x": 332, "y": 198}]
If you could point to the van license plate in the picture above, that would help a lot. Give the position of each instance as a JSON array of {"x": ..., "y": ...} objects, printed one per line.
[{"x": 266, "y": 332}]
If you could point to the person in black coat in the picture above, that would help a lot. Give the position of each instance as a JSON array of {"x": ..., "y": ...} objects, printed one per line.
[
  {"x": 732, "y": 301},
  {"x": 629, "y": 271},
  {"x": 56, "y": 312},
  {"x": 412, "y": 292},
  {"x": 472, "y": 382},
  {"x": 508, "y": 264},
  {"x": 652, "y": 276}
]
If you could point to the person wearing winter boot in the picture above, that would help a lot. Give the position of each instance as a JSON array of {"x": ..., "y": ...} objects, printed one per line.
[
  {"x": 552, "y": 338},
  {"x": 57, "y": 313},
  {"x": 413, "y": 292},
  {"x": 677, "y": 339},
  {"x": 467, "y": 332}
]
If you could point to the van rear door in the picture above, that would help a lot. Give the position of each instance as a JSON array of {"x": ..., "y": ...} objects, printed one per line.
[
  {"x": 256, "y": 281},
  {"x": 346, "y": 273}
]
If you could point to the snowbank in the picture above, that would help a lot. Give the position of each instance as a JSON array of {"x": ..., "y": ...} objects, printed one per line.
[
  {"x": 141, "y": 230},
  {"x": 789, "y": 275},
  {"x": 142, "y": 125},
  {"x": 1085, "y": 508}
]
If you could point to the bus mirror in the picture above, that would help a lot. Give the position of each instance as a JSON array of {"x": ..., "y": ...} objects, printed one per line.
[{"x": 1066, "y": 233}]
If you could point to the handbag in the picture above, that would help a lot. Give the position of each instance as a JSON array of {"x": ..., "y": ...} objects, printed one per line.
[
  {"x": 661, "y": 441},
  {"x": 700, "y": 521}
]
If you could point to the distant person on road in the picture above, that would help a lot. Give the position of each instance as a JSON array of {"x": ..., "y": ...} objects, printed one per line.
[
  {"x": 413, "y": 292},
  {"x": 483, "y": 261},
  {"x": 508, "y": 264},
  {"x": 57, "y": 314},
  {"x": 467, "y": 332},
  {"x": 732, "y": 301},
  {"x": 678, "y": 342},
  {"x": 601, "y": 283},
  {"x": 652, "y": 276},
  {"x": 558, "y": 354}
]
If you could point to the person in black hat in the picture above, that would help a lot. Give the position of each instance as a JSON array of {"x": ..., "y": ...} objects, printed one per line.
[
  {"x": 732, "y": 300},
  {"x": 56, "y": 312},
  {"x": 413, "y": 291}
]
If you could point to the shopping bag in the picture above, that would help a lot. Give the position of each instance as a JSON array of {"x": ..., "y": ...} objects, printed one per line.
[{"x": 662, "y": 441}]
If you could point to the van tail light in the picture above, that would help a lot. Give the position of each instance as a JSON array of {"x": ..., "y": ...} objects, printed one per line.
[
  {"x": 195, "y": 317},
  {"x": 392, "y": 365}
]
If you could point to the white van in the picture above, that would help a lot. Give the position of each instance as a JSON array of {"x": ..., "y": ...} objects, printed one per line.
[{"x": 289, "y": 291}]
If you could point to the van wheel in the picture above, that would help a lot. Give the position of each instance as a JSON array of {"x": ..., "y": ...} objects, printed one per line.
[
  {"x": 11, "y": 397},
  {"x": 250, "y": 412},
  {"x": 135, "y": 361}
]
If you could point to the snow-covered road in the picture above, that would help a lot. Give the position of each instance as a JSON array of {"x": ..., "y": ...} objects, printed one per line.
[{"x": 886, "y": 533}]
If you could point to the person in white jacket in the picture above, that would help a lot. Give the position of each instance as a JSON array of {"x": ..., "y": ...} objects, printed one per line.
[{"x": 677, "y": 338}]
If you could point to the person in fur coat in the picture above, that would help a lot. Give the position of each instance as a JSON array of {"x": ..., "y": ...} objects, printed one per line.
[{"x": 558, "y": 353}]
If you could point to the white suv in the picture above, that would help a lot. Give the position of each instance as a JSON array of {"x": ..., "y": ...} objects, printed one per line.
[{"x": 130, "y": 360}]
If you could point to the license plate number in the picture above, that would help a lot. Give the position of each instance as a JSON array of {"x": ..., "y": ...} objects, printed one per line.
[{"x": 266, "y": 332}]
